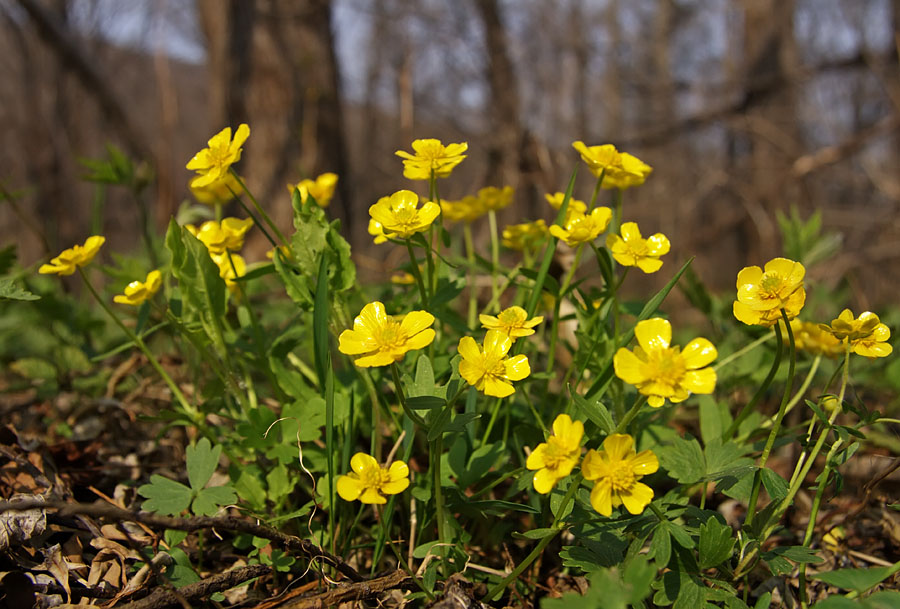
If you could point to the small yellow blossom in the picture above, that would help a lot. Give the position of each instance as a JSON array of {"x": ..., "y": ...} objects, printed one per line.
[
  {"x": 632, "y": 250},
  {"x": 762, "y": 294},
  {"x": 370, "y": 482},
  {"x": 380, "y": 340},
  {"x": 582, "y": 228},
  {"x": 556, "y": 199},
  {"x": 468, "y": 209},
  {"x": 137, "y": 292},
  {"x": 617, "y": 470},
  {"x": 555, "y": 458},
  {"x": 403, "y": 278},
  {"x": 212, "y": 163},
  {"x": 619, "y": 169},
  {"x": 230, "y": 270},
  {"x": 219, "y": 237},
  {"x": 520, "y": 237},
  {"x": 285, "y": 253},
  {"x": 218, "y": 192},
  {"x": 866, "y": 334},
  {"x": 400, "y": 216},
  {"x": 513, "y": 322},
  {"x": 321, "y": 189},
  {"x": 492, "y": 198},
  {"x": 662, "y": 372},
  {"x": 74, "y": 257},
  {"x": 809, "y": 336},
  {"x": 431, "y": 158},
  {"x": 488, "y": 369}
]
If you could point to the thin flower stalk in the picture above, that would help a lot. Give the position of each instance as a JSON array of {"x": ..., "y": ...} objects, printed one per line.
[
  {"x": 776, "y": 425},
  {"x": 261, "y": 211},
  {"x": 760, "y": 392},
  {"x": 495, "y": 253},
  {"x": 472, "y": 314},
  {"x": 554, "y": 329}
]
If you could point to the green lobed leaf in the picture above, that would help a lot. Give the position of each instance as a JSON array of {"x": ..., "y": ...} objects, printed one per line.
[
  {"x": 856, "y": 579},
  {"x": 202, "y": 460},
  {"x": 165, "y": 496},
  {"x": 209, "y": 500},
  {"x": 683, "y": 459},
  {"x": 716, "y": 543},
  {"x": 596, "y": 412},
  {"x": 10, "y": 291},
  {"x": 776, "y": 486}
]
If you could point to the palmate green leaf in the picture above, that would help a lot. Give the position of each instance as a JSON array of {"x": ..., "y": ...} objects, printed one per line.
[
  {"x": 716, "y": 543},
  {"x": 776, "y": 486},
  {"x": 683, "y": 459},
  {"x": 856, "y": 579},
  {"x": 661, "y": 544},
  {"x": 198, "y": 276},
  {"x": 10, "y": 291},
  {"x": 165, "y": 496},
  {"x": 202, "y": 460},
  {"x": 209, "y": 500}
]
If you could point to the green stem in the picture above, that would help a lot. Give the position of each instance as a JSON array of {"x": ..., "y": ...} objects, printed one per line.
[
  {"x": 543, "y": 543},
  {"x": 748, "y": 408},
  {"x": 417, "y": 273},
  {"x": 490, "y": 426},
  {"x": 742, "y": 351},
  {"x": 811, "y": 527},
  {"x": 435, "y": 265},
  {"x": 495, "y": 253},
  {"x": 188, "y": 408},
  {"x": 395, "y": 372},
  {"x": 258, "y": 207},
  {"x": 473, "y": 275},
  {"x": 776, "y": 426},
  {"x": 629, "y": 416},
  {"x": 554, "y": 328},
  {"x": 800, "y": 392}
]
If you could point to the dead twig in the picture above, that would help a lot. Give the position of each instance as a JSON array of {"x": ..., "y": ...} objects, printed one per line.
[
  {"x": 357, "y": 591},
  {"x": 195, "y": 523},
  {"x": 164, "y": 597}
]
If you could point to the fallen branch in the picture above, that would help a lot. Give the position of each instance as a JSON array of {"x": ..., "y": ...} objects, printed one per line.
[
  {"x": 195, "y": 523},
  {"x": 356, "y": 591},
  {"x": 163, "y": 597}
]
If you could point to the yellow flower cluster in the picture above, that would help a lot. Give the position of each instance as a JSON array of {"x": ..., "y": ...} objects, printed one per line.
[
  {"x": 138, "y": 292},
  {"x": 619, "y": 169},
  {"x": 582, "y": 227},
  {"x": 524, "y": 236},
  {"x": 76, "y": 256},
  {"x": 399, "y": 216},
  {"x": 470, "y": 208},
  {"x": 632, "y": 250},
  {"x": 321, "y": 189},
  {"x": 809, "y": 336},
  {"x": 212, "y": 163},
  {"x": 762, "y": 294},
  {"x": 431, "y": 159}
]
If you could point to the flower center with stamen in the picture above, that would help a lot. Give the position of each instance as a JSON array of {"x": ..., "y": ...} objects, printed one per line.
[
  {"x": 770, "y": 286},
  {"x": 666, "y": 366},
  {"x": 556, "y": 453},
  {"x": 374, "y": 477},
  {"x": 390, "y": 336},
  {"x": 621, "y": 476},
  {"x": 510, "y": 318}
]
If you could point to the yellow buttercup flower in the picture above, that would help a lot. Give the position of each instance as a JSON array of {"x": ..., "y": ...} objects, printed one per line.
[
  {"x": 866, "y": 334},
  {"x": 555, "y": 458},
  {"x": 762, "y": 294},
  {"x": 431, "y": 158},
  {"x": 370, "y": 482},
  {"x": 512, "y": 321},
  {"x": 520, "y": 237},
  {"x": 137, "y": 292},
  {"x": 212, "y": 163},
  {"x": 219, "y": 237},
  {"x": 74, "y": 257},
  {"x": 380, "y": 340},
  {"x": 228, "y": 272},
  {"x": 619, "y": 169},
  {"x": 218, "y": 192},
  {"x": 660, "y": 371},
  {"x": 468, "y": 209},
  {"x": 556, "y": 199},
  {"x": 617, "y": 470},
  {"x": 321, "y": 189},
  {"x": 403, "y": 278},
  {"x": 809, "y": 336},
  {"x": 492, "y": 198},
  {"x": 488, "y": 369},
  {"x": 582, "y": 228},
  {"x": 400, "y": 216},
  {"x": 632, "y": 250}
]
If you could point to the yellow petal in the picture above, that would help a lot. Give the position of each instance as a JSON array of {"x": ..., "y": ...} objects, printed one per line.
[
  {"x": 416, "y": 321},
  {"x": 653, "y": 334},
  {"x": 656, "y": 401},
  {"x": 517, "y": 367},
  {"x": 537, "y": 458},
  {"x": 349, "y": 488},
  {"x": 618, "y": 446},
  {"x": 873, "y": 349},
  {"x": 648, "y": 265},
  {"x": 630, "y": 231},
  {"x": 375, "y": 360},
  {"x": 592, "y": 466},
  {"x": 601, "y": 498},
  {"x": 628, "y": 367},
  {"x": 420, "y": 340},
  {"x": 544, "y": 481},
  {"x": 360, "y": 462},
  {"x": 496, "y": 387},
  {"x": 658, "y": 245},
  {"x": 749, "y": 275},
  {"x": 644, "y": 463},
  {"x": 637, "y": 498},
  {"x": 469, "y": 350},
  {"x": 371, "y": 317},
  {"x": 699, "y": 381},
  {"x": 698, "y": 353},
  {"x": 351, "y": 342},
  {"x": 745, "y": 314},
  {"x": 496, "y": 343},
  {"x": 793, "y": 272},
  {"x": 371, "y": 495}
]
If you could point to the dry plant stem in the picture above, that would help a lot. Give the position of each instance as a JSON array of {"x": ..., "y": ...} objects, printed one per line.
[
  {"x": 543, "y": 543},
  {"x": 495, "y": 256},
  {"x": 359, "y": 591},
  {"x": 194, "y": 523},
  {"x": 472, "y": 316},
  {"x": 166, "y": 596},
  {"x": 188, "y": 408},
  {"x": 259, "y": 208},
  {"x": 776, "y": 426},
  {"x": 748, "y": 408}
]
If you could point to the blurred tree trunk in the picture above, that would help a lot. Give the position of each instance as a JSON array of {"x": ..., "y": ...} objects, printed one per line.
[
  {"x": 273, "y": 66},
  {"x": 505, "y": 136}
]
